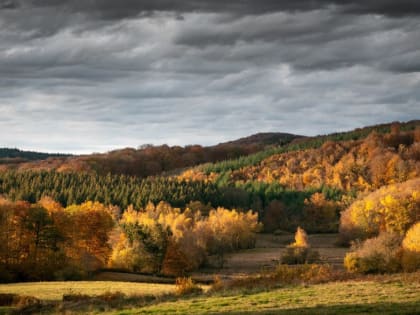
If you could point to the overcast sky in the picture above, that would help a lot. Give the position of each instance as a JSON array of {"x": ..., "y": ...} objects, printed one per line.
[{"x": 90, "y": 76}]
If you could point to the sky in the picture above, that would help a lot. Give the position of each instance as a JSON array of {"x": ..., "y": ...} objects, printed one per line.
[{"x": 96, "y": 75}]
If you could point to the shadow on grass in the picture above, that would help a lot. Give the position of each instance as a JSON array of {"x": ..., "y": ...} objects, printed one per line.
[
  {"x": 5, "y": 310},
  {"x": 411, "y": 308}
]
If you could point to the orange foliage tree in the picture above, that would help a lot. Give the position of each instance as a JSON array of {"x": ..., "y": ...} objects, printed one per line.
[
  {"x": 40, "y": 240},
  {"x": 190, "y": 238}
]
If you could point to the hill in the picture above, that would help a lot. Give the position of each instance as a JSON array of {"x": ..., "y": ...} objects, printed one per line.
[
  {"x": 147, "y": 160},
  {"x": 172, "y": 223},
  {"x": 305, "y": 143},
  {"x": 306, "y": 182},
  {"x": 9, "y": 155},
  {"x": 264, "y": 138}
]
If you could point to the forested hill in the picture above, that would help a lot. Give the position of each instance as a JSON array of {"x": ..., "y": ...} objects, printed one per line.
[
  {"x": 325, "y": 172},
  {"x": 12, "y": 155},
  {"x": 306, "y": 143},
  {"x": 148, "y": 160},
  {"x": 265, "y": 138}
]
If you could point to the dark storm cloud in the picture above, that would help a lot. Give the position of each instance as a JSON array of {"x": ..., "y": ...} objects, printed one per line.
[
  {"x": 312, "y": 40},
  {"x": 119, "y": 9},
  {"x": 96, "y": 75}
]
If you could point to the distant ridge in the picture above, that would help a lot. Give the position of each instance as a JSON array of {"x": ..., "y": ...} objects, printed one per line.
[
  {"x": 150, "y": 160},
  {"x": 265, "y": 138},
  {"x": 144, "y": 161},
  {"x": 14, "y": 154}
]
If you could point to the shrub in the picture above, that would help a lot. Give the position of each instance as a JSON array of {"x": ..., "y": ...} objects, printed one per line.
[
  {"x": 9, "y": 299},
  {"x": 281, "y": 275},
  {"x": 376, "y": 255},
  {"x": 411, "y": 249},
  {"x": 299, "y": 251},
  {"x": 312, "y": 273},
  {"x": 185, "y": 286},
  {"x": 299, "y": 255},
  {"x": 217, "y": 285},
  {"x": 76, "y": 297}
]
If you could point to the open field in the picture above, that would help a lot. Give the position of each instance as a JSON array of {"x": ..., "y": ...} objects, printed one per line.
[
  {"x": 386, "y": 294},
  {"x": 51, "y": 291},
  {"x": 268, "y": 251},
  {"x": 397, "y": 294}
]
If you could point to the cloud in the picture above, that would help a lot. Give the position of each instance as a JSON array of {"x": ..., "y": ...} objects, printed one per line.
[
  {"x": 86, "y": 76},
  {"x": 119, "y": 9}
]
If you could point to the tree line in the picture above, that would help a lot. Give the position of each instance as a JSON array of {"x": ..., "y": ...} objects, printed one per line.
[
  {"x": 45, "y": 241},
  {"x": 273, "y": 202}
]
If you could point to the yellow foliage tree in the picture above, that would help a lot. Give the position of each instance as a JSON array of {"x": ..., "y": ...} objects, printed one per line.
[
  {"x": 301, "y": 238},
  {"x": 192, "y": 236},
  {"x": 411, "y": 249},
  {"x": 393, "y": 208}
]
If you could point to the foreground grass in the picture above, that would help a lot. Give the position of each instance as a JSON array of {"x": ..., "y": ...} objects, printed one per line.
[
  {"x": 387, "y": 295},
  {"x": 50, "y": 291}
]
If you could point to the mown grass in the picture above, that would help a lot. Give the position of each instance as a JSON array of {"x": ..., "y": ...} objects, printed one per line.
[
  {"x": 379, "y": 295},
  {"x": 54, "y": 291}
]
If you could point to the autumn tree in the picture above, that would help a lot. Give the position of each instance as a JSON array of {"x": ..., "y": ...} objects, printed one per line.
[
  {"x": 320, "y": 214},
  {"x": 165, "y": 239},
  {"x": 411, "y": 249},
  {"x": 274, "y": 216},
  {"x": 301, "y": 238},
  {"x": 87, "y": 234},
  {"x": 393, "y": 208},
  {"x": 299, "y": 252}
]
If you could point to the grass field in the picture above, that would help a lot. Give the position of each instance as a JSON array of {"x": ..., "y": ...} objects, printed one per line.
[
  {"x": 51, "y": 291},
  {"x": 387, "y": 295}
]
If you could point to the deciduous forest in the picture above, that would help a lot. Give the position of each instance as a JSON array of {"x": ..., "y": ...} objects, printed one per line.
[{"x": 169, "y": 213}]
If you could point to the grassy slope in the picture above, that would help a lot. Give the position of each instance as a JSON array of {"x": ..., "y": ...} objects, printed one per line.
[
  {"x": 55, "y": 290},
  {"x": 387, "y": 295}
]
